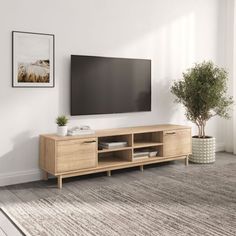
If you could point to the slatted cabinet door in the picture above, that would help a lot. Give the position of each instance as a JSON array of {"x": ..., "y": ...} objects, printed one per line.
[
  {"x": 76, "y": 154},
  {"x": 177, "y": 142}
]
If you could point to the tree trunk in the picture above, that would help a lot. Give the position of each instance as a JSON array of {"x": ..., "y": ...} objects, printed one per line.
[
  {"x": 199, "y": 130},
  {"x": 203, "y": 130},
  {"x": 201, "y": 124},
  {"x": 200, "y": 134}
]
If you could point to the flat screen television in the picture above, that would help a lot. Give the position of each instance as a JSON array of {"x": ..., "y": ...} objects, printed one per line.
[{"x": 105, "y": 85}]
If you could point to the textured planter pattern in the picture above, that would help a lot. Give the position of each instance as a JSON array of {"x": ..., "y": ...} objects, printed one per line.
[{"x": 203, "y": 150}]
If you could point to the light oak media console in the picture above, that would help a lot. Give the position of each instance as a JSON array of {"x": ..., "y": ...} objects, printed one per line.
[{"x": 80, "y": 155}]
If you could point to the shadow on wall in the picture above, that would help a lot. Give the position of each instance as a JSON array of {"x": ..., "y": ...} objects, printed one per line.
[
  {"x": 23, "y": 146},
  {"x": 165, "y": 109}
]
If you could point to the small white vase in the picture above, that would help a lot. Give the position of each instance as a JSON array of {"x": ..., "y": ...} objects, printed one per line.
[
  {"x": 62, "y": 130},
  {"x": 203, "y": 150}
]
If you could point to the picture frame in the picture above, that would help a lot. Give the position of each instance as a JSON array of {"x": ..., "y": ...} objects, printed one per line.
[{"x": 33, "y": 63}]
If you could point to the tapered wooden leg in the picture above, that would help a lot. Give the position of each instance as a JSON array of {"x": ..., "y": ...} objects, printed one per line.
[
  {"x": 45, "y": 175},
  {"x": 186, "y": 161},
  {"x": 59, "y": 181},
  {"x": 141, "y": 168},
  {"x": 109, "y": 173}
]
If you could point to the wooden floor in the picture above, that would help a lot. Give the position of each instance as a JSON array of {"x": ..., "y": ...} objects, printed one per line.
[
  {"x": 7, "y": 228},
  {"x": 41, "y": 189}
]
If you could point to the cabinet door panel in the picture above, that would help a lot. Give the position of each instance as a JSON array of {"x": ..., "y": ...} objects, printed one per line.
[
  {"x": 177, "y": 142},
  {"x": 76, "y": 154}
]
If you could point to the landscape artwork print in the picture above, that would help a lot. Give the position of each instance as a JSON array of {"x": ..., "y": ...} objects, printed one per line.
[{"x": 33, "y": 59}]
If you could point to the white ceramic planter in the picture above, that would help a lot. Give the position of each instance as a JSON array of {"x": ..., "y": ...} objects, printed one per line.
[
  {"x": 62, "y": 130},
  {"x": 203, "y": 150}
]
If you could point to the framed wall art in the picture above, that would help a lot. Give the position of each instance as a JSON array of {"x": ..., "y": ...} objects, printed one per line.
[{"x": 32, "y": 59}]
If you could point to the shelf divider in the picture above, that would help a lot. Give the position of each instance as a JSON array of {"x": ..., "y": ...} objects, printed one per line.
[
  {"x": 114, "y": 149},
  {"x": 146, "y": 144}
]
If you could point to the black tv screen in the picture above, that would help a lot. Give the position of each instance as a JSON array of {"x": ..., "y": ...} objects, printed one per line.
[{"x": 104, "y": 85}]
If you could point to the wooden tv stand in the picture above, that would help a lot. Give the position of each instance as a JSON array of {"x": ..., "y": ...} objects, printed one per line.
[{"x": 79, "y": 155}]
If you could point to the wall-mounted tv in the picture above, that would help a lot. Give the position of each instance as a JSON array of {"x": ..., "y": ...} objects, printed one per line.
[{"x": 105, "y": 85}]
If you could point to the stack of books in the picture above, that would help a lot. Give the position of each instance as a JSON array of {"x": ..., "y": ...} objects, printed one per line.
[
  {"x": 83, "y": 130},
  {"x": 143, "y": 154},
  {"x": 109, "y": 145}
]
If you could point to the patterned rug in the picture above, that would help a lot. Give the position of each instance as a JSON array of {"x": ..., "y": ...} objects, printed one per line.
[{"x": 167, "y": 200}]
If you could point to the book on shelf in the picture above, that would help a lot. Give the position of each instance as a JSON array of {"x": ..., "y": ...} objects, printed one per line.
[
  {"x": 80, "y": 130},
  {"x": 108, "y": 145},
  {"x": 145, "y": 154},
  {"x": 139, "y": 154}
]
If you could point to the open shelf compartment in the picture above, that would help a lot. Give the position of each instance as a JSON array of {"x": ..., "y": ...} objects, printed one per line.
[
  {"x": 115, "y": 139},
  {"x": 150, "y": 139},
  {"x": 146, "y": 153},
  {"x": 114, "y": 158}
]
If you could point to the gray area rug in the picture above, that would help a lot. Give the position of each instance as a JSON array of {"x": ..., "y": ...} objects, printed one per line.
[{"x": 164, "y": 200}]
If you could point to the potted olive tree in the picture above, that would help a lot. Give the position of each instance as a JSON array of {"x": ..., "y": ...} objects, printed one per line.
[
  {"x": 202, "y": 91},
  {"x": 62, "y": 125}
]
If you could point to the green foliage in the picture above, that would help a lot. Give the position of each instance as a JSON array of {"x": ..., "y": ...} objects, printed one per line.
[
  {"x": 61, "y": 120},
  {"x": 203, "y": 92}
]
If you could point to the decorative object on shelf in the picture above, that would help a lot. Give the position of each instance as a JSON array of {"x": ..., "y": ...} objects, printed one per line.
[
  {"x": 32, "y": 59},
  {"x": 62, "y": 125},
  {"x": 153, "y": 153},
  {"x": 203, "y": 92},
  {"x": 80, "y": 130}
]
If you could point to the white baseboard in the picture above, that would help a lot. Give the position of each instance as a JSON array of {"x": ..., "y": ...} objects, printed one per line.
[
  {"x": 220, "y": 147},
  {"x": 20, "y": 177}
]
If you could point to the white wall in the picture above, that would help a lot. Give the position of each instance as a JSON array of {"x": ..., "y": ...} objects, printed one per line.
[
  {"x": 230, "y": 59},
  {"x": 174, "y": 34}
]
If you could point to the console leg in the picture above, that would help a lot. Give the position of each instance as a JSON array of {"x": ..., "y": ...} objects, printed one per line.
[
  {"x": 186, "y": 161},
  {"x": 59, "y": 181},
  {"x": 141, "y": 168},
  {"x": 45, "y": 175},
  {"x": 109, "y": 173}
]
